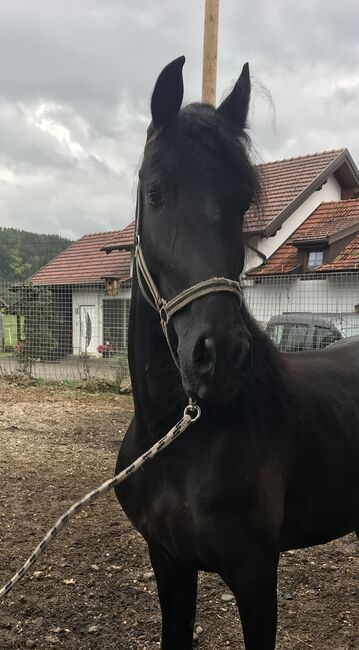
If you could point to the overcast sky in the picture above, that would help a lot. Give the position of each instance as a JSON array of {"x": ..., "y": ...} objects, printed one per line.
[{"x": 76, "y": 78}]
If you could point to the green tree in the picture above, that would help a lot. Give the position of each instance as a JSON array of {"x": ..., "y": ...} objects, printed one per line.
[
  {"x": 35, "y": 304},
  {"x": 20, "y": 247},
  {"x": 19, "y": 267}
]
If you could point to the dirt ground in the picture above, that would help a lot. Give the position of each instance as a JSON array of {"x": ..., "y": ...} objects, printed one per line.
[{"x": 93, "y": 588}]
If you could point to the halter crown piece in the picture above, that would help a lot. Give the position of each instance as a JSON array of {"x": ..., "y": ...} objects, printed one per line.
[{"x": 167, "y": 308}]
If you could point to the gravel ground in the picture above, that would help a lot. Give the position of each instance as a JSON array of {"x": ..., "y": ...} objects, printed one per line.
[{"x": 94, "y": 589}]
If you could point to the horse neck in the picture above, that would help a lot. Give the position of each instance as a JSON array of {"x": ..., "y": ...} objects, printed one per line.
[
  {"x": 268, "y": 387},
  {"x": 157, "y": 389}
]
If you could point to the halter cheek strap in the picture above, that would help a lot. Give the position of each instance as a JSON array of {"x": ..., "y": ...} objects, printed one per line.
[{"x": 168, "y": 308}]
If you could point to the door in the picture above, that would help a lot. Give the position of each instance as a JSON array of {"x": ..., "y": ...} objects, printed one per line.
[{"x": 87, "y": 328}]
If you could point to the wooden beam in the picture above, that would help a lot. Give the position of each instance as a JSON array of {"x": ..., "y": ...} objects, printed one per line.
[{"x": 210, "y": 44}]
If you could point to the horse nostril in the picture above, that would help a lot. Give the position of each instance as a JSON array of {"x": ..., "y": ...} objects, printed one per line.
[{"x": 204, "y": 357}]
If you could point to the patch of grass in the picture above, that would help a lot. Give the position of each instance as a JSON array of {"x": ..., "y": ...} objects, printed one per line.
[
  {"x": 100, "y": 385},
  {"x": 87, "y": 385},
  {"x": 10, "y": 330},
  {"x": 119, "y": 385},
  {"x": 56, "y": 384},
  {"x": 18, "y": 379}
]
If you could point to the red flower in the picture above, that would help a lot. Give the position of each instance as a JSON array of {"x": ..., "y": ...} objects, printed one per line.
[{"x": 105, "y": 347}]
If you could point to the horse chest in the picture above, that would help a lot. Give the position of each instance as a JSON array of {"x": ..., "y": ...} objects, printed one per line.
[
  {"x": 170, "y": 513},
  {"x": 192, "y": 511},
  {"x": 198, "y": 499}
]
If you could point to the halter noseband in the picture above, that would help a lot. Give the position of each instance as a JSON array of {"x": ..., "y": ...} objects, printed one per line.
[{"x": 167, "y": 308}]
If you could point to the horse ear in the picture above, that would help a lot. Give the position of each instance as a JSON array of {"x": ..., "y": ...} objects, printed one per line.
[
  {"x": 235, "y": 106},
  {"x": 168, "y": 93}
]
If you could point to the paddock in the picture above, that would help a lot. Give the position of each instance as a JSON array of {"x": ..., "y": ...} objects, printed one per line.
[{"x": 93, "y": 589}]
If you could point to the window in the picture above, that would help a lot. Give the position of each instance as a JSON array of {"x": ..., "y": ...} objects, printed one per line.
[
  {"x": 296, "y": 337},
  {"x": 289, "y": 337},
  {"x": 276, "y": 332},
  {"x": 323, "y": 336},
  {"x": 115, "y": 322},
  {"x": 315, "y": 259}
]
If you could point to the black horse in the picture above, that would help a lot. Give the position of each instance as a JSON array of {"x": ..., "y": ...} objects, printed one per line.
[{"x": 273, "y": 462}]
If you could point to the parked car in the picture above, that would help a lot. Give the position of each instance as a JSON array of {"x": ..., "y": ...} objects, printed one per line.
[{"x": 298, "y": 331}]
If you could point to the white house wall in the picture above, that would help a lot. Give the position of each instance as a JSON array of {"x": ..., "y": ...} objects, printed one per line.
[
  {"x": 82, "y": 298},
  {"x": 330, "y": 191},
  {"x": 91, "y": 300},
  {"x": 333, "y": 293}
]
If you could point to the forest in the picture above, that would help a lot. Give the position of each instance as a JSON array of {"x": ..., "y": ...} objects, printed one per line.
[{"x": 22, "y": 253}]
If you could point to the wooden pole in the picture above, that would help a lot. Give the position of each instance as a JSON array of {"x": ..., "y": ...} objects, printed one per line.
[{"x": 210, "y": 44}]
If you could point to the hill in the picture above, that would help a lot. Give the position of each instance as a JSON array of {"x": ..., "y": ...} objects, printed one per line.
[{"x": 22, "y": 252}]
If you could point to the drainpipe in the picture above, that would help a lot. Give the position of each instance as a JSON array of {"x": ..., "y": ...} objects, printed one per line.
[{"x": 259, "y": 253}]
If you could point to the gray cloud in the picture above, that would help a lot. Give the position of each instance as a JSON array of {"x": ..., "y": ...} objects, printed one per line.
[{"x": 75, "y": 82}]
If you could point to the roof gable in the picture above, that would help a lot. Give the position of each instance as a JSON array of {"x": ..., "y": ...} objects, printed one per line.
[{"x": 287, "y": 183}]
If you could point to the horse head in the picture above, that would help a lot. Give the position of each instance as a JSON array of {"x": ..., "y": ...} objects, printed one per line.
[{"x": 196, "y": 183}]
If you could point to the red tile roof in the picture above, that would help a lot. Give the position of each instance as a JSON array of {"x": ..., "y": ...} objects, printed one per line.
[
  {"x": 283, "y": 181},
  {"x": 347, "y": 260},
  {"x": 284, "y": 260},
  {"x": 85, "y": 262},
  {"x": 327, "y": 220},
  {"x": 123, "y": 237}
]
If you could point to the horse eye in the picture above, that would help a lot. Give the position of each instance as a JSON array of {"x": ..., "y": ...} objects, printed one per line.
[{"x": 154, "y": 197}]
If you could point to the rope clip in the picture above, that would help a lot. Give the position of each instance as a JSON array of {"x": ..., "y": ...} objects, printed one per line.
[{"x": 193, "y": 410}]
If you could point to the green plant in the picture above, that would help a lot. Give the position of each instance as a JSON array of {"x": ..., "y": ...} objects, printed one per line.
[
  {"x": 34, "y": 304},
  {"x": 19, "y": 267},
  {"x": 122, "y": 373}
]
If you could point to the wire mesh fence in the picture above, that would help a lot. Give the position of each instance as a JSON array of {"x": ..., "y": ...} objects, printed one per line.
[
  {"x": 58, "y": 332},
  {"x": 305, "y": 312}
]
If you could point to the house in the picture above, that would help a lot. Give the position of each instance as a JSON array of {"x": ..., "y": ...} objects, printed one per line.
[
  {"x": 315, "y": 269},
  {"x": 91, "y": 295},
  {"x": 292, "y": 189},
  {"x": 90, "y": 281}
]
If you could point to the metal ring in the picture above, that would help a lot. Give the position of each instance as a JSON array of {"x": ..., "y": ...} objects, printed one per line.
[
  {"x": 163, "y": 315},
  {"x": 194, "y": 412}
]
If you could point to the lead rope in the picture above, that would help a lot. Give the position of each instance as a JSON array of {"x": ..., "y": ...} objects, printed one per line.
[{"x": 191, "y": 414}]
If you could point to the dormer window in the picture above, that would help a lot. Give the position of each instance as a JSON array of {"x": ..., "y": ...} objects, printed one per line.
[{"x": 315, "y": 259}]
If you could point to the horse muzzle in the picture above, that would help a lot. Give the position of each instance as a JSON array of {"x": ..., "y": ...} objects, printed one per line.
[{"x": 211, "y": 367}]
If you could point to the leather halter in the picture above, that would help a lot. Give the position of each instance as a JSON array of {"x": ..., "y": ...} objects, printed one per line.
[{"x": 168, "y": 308}]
